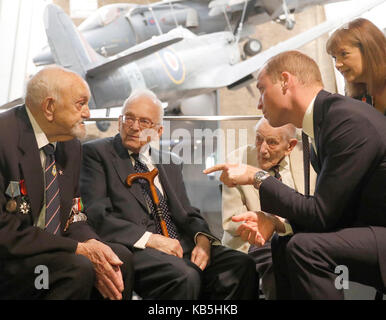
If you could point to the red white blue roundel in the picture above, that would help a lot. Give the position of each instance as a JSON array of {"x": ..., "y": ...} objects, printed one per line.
[{"x": 173, "y": 65}]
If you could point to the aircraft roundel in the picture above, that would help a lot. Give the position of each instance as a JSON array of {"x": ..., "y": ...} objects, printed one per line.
[{"x": 172, "y": 65}]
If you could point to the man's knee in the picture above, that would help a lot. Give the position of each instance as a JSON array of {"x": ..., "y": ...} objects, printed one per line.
[
  {"x": 82, "y": 271},
  {"x": 189, "y": 280},
  {"x": 301, "y": 246}
]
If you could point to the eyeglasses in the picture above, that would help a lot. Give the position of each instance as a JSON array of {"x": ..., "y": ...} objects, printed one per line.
[
  {"x": 271, "y": 141},
  {"x": 144, "y": 123}
]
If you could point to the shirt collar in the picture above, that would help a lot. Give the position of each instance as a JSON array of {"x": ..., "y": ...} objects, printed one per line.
[
  {"x": 283, "y": 164},
  {"x": 308, "y": 120},
  {"x": 40, "y": 136},
  {"x": 144, "y": 154}
]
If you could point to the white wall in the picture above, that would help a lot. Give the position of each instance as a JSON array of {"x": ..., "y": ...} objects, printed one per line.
[{"x": 22, "y": 35}]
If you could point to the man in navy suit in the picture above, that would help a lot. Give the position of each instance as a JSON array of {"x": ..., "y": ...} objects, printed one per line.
[
  {"x": 189, "y": 264},
  {"x": 47, "y": 231},
  {"x": 343, "y": 223}
]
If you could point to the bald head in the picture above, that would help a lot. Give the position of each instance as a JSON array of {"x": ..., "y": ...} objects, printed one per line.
[
  {"x": 58, "y": 100},
  {"x": 287, "y": 131},
  {"x": 273, "y": 144},
  {"x": 49, "y": 82},
  {"x": 144, "y": 94}
]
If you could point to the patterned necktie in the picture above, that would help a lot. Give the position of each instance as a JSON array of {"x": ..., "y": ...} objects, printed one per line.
[
  {"x": 52, "y": 224},
  {"x": 306, "y": 164},
  {"x": 276, "y": 172},
  {"x": 172, "y": 229}
]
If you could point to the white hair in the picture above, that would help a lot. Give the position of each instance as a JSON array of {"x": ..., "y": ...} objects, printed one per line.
[
  {"x": 144, "y": 93},
  {"x": 288, "y": 131}
]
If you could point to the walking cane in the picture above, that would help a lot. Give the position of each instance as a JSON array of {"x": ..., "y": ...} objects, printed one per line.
[{"x": 149, "y": 176}]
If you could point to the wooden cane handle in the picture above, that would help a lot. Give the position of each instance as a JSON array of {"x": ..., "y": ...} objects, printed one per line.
[{"x": 150, "y": 176}]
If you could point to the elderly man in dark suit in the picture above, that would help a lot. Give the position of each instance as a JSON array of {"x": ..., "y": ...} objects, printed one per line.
[
  {"x": 47, "y": 248},
  {"x": 341, "y": 227},
  {"x": 182, "y": 263}
]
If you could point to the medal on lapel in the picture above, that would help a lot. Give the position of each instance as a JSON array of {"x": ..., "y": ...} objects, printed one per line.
[
  {"x": 76, "y": 214},
  {"x": 24, "y": 203},
  {"x": 12, "y": 191}
]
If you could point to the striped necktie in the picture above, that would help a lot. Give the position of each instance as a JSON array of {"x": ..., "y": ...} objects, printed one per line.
[
  {"x": 52, "y": 223},
  {"x": 171, "y": 227},
  {"x": 276, "y": 172}
]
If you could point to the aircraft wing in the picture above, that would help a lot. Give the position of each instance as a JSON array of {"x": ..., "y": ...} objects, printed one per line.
[
  {"x": 216, "y": 7},
  {"x": 243, "y": 70},
  {"x": 139, "y": 51}
]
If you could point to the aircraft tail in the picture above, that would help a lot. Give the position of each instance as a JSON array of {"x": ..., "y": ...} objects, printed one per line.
[{"x": 68, "y": 47}]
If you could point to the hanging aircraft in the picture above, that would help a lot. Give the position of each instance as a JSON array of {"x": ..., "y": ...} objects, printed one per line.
[
  {"x": 176, "y": 65},
  {"x": 116, "y": 27}
]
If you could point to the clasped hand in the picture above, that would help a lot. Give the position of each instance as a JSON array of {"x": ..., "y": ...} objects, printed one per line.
[{"x": 109, "y": 281}]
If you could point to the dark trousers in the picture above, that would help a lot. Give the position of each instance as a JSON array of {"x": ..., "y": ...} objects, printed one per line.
[
  {"x": 230, "y": 275},
  {"x": 305, "y": 263},
  {"x": 70, "y": 276},
  {"x": 264, "y": 267}
]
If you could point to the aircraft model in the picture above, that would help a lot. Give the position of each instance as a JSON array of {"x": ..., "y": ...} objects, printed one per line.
[{"x": 117, "y": 27}]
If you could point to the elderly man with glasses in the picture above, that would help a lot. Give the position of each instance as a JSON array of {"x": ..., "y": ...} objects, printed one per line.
[
  {"x": 175, "y": 254},
  {"x": 277, "y": 152}
]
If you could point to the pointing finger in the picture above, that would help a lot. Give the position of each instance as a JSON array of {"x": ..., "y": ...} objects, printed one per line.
[{"x": 217, "y": 167}]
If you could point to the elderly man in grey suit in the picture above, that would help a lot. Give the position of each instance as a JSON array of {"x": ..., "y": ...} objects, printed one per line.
[{"x": 277, "y": 151}]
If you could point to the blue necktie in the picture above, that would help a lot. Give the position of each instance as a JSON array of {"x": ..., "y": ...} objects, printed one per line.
[
  {"x": 52, "y": 223},
  {"x": 172, "y": 229}
]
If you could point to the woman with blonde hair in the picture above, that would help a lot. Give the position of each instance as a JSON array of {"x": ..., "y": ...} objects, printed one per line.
[{"x": 359, "y": 51}]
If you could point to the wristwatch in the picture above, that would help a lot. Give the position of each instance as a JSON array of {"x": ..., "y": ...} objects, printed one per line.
[{"x": 259, "y": 177}]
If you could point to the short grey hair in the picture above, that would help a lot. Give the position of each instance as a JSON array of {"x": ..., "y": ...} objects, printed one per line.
[
  {"x": 144, "y": 93},
  {"x": 289, "y": 130},
  {"x": 43, "y": 84}
]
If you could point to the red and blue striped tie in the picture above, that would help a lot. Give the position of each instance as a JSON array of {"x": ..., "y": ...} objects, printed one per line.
[{"x": 52, "y": 191}]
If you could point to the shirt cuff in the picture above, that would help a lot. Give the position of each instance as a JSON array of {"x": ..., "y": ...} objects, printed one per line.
[
  {"x": 288, "y": 229},
  {"x": 214, "y": 241},
  {"x": 141, "y": 243}
]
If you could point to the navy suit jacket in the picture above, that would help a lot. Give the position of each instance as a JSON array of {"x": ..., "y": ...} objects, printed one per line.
[
  {"x": 20, "y": 160},
  {"x": 119, "y": 213},
  {"x": 350, "y": 138}
]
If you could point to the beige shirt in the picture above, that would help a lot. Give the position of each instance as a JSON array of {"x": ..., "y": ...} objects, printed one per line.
[{"x": 244, "y": 198}]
